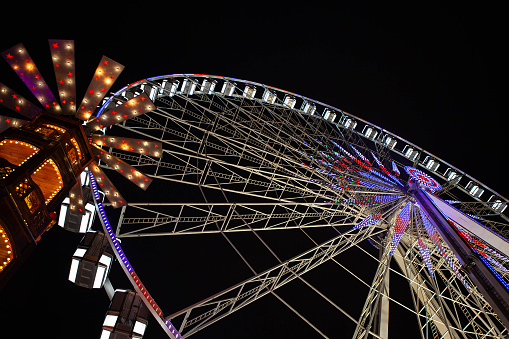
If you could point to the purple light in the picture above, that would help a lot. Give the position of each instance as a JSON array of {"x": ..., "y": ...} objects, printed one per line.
[
  {"x": 395, "y": 169},
  {"x": 425, "y": 255},
  {"x": 368, "y": 221}
]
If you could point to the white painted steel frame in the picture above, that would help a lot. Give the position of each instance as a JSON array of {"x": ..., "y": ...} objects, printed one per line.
[{"x": 201, "y": 155}]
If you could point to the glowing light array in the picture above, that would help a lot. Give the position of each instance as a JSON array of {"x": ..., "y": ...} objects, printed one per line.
[
  {"x": 402, "y": 221},
  {"x": 483, "y": 246},
  {"x": 391, "y": 177},
  {"x": 105, "y": 75},
  {"x": 371, "y": 200},
  {"x": 130, "y": 109},
  {"x": 452, "y": 202},
  {"x": 352, "y": 157},
  {"x": 425, "y": 255},
  {"x": 5, "y": 249},
  {"x": 21, "y": 62},
  {"x": 332, "y": 174},
  {"x": 361, "y": 155},
  {"x": 435, "y": 239},
  {"x": 62, "y": 55},
  {"x": 376, "y": 179},
  {"x": 128, "y": 171},
  {"x": 107, "y": 187},
  {"x": 395, "y": 169},
  {"x": 16, "y": 143},
  {"x": 495, "y": 273},
  {"x": 369, "y": 184},
  {"x": 471, "y": 241},
  {"x": 17, "y": 103},
  {"x": 77, "y": 204},
  {"x": 368, "y": 221},
  {"x": 122, "y": 257},
  {"x": 148, "y": 147},
  {"x": 424, "y": 179}
]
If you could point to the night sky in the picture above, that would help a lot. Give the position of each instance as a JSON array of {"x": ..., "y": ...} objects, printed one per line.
[{"x": 432, "y": 74}]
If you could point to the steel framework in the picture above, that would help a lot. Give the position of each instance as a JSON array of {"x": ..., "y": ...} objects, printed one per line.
[{"x": 246, "y": 158}]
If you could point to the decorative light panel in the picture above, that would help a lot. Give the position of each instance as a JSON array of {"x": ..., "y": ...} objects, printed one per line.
[
  {"x": 128, "y": 171},
  {"x": 382, "y": 167},
  {"x": 148, "y": 147},
  {"x": 435, "y": 239},
  {"x": 17, "y": 152},
  {"x": 425, "y": 255},
  {"x": 105, "y": 75},
  {"x": 17, "y": 103},
  {"x": 77, "y": 202},
  {"x": 114, "y": 197},
  {"x": 48, "y": 178},
  {"x": 62, "y": 56},
  {"x": 6, "y": 254},
  {"x": 402, "y": 221},
  {"x": 368, "y": 221},
  {"x": 423, "y": 179},
  {"x": 21, "y": 62},
  {"x": 395, "y": 169},
  {"x": 136, "y": 106},
  {"x": 6, "y": 122},
  {"x": 360, "y": 155}
]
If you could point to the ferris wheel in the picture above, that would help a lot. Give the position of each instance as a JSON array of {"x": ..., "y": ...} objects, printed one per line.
[{"x": 245, "y": 190}]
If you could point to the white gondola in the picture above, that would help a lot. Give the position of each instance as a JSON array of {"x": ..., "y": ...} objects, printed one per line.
[
  {"x": 126, "y": 318},
  {"x": 91, "y": 262}
]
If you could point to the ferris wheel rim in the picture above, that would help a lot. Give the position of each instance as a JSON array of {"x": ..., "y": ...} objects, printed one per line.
[{"x": 460, "y": 173}]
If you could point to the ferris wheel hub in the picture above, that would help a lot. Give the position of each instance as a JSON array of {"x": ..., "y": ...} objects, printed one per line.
[{"x": 422, "y": 179}]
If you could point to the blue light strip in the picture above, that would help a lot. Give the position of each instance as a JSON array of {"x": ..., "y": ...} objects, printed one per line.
[{"x": 368, "y": 221}]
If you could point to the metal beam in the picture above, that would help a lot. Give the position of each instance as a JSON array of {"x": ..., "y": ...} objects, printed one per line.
[{"x": 484, "y": 279}]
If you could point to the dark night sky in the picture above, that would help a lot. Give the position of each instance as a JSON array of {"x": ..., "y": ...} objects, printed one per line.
[{"x": 430, "y": 73}]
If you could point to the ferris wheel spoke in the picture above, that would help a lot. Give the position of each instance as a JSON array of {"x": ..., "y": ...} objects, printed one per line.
[
  {"x": 210, "y": 310},
  {"x": 377, "y": 290},
  {"x": 426, "y": 299},
  {"x": 159, "y": 219}
]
